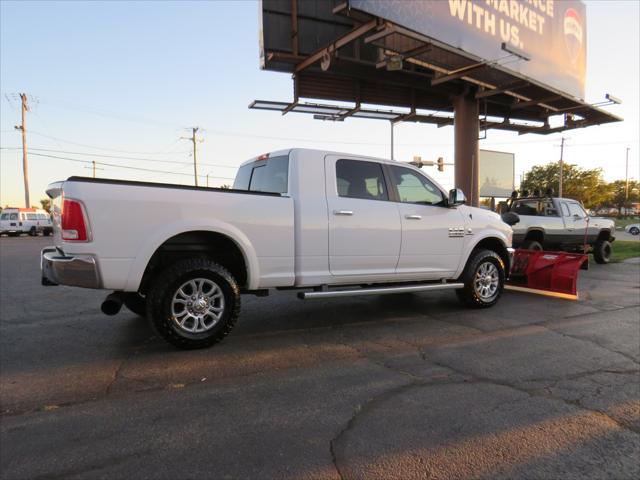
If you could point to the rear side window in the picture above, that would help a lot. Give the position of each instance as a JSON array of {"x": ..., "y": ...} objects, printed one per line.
[
  {"x": 357, "y": 179},
  {"x": 32, "y": 216},
  {"x": 565, "y": 210},
  {"x": 270, "y": 175}
]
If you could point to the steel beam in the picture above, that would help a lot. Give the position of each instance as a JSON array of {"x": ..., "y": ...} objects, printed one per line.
[{"x": 335, "y": 46}]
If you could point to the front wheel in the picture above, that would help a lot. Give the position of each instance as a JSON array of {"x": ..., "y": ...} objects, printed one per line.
[
  {"x": 483, "y": 280},
  {"x": 634, "y": 231},
  {"x": 602, "y": 251},
  {"x": 533, "y": 245},
  {"x": 194, "y": 303}
]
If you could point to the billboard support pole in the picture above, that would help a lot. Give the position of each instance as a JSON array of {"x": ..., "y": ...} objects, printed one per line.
[
  {"x": 466, "y": 131},
  {"x": 391, "y": 122}
]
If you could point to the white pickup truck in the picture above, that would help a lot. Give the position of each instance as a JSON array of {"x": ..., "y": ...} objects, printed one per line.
[
  {"x": 327, "y": 224},
  {"x": 551, "y": 223}
]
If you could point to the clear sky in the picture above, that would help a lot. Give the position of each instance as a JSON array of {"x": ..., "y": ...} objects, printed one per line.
[{"x": 124, "y": 79}]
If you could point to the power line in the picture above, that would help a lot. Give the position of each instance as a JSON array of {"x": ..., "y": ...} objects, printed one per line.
[
  {"x": 104, "y": 148},
  {"x": 119, "y": 166},
  {"x": 175, "y": 162}
]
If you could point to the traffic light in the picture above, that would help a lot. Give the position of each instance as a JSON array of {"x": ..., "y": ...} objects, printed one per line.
[{"x": 440, "y": 164}]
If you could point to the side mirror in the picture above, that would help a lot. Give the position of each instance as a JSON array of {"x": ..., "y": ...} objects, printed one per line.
[{"x": 456, "y": 197}]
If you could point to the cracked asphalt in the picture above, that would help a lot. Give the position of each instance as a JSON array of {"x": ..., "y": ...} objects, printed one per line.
[{"x": 395, "y": 387}]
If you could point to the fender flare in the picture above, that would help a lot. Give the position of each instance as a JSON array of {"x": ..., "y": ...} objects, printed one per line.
[
  {"x": 470, "y": 247},
  {"x": 146, "y": 251}
]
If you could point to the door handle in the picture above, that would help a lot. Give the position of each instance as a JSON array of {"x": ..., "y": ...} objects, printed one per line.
[
  {"x": 413, "y": 217},
  {"x": 343, "y": 212}
]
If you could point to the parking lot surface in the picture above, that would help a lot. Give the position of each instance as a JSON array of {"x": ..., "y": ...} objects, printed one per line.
[{"x": 403, "y": 386}]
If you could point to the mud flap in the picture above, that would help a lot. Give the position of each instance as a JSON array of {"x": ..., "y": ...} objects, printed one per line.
[{"x": 548, "y": 273}]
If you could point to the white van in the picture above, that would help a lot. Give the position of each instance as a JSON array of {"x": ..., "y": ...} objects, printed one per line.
[{"x": 14, "y": 221}]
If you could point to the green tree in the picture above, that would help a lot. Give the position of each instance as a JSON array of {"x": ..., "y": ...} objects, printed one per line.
[
  {"x": 617, "y": 194},
  {"x": 46, "y": 204},
  {"x": 581, "y": 184}
]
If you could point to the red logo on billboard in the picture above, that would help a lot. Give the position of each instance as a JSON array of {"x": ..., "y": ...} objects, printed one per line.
[{"x": 573, "y": 33}]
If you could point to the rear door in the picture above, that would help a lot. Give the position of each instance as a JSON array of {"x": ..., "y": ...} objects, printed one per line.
[
  {"x": 433, "y": 235},
  {"x": 364, "y": 225}
]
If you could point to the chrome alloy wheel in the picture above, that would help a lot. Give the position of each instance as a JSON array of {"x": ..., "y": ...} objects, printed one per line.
[
  {"x": 197, "y": 305},
  {"x": 486, "y": 281}
]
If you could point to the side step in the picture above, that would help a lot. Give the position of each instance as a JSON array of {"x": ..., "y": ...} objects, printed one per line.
[{"x": 380, "y": 290}]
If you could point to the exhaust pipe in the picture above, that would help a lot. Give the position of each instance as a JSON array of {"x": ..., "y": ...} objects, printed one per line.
[{"x": 112, "y": 304}]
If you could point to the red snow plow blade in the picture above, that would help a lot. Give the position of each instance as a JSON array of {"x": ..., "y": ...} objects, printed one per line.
[{"x": 547, "y": 273}]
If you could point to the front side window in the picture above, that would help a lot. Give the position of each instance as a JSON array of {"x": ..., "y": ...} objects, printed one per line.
[
  {"x": 4, "y": 216},
  {"x": 576, "y": 209},
  {"x": 357, "y": 179},
  {"x": 415, "y": 188},
  {"x": 13, "y": 216},
  {"x": 270, "y": 175}
]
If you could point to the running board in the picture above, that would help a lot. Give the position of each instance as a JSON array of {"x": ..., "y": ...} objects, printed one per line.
[{"x": 379, "y": 291}]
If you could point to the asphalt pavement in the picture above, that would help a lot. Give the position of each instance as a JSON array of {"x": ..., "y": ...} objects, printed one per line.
[{"x": 393, "y": 387}]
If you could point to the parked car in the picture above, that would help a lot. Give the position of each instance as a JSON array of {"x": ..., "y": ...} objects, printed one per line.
[
  {"x": 326, "y": 224},
  {"x": 14, "y": 221},
  {"x": 548, "y": 223},
  {"x": 633, "y": 229}
]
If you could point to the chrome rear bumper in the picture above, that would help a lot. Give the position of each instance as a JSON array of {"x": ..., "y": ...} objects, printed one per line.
[{"x": 60, "y": 269}]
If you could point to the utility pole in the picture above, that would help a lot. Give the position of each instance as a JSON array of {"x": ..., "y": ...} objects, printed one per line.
[
  {"x": 194, "y": 140},
  {"x": 25, "y": 167},
  {"x": 561, "y": 167},
  {"x": 626, "y": 180},
  {"x": 94, "y": 168}
]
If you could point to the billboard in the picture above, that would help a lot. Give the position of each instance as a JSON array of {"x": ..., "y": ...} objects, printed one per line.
[
  {"x": 551, "y": 33},
  {"x": 495, "y": 173}
]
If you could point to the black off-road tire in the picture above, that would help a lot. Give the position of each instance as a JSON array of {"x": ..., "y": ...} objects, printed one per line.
[
  {"x": 533, "y": 245},
  {"x": 602, "y": 251},
  {"x": 136, "y": 303},
  {"x": 159, "y": 298},
  {"x": 468, "y": 295}
]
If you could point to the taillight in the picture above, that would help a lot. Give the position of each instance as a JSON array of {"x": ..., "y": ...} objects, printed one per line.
[{"x": 73, "y": 224}]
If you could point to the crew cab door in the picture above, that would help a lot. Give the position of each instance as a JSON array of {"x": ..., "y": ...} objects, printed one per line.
[
  {"x": 575, "y": 221},
  {"x": 433, "y": 235},
  {"x": 364, "y": 225}
]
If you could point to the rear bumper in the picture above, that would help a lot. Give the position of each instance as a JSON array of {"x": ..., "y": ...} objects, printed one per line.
[{"x": 60, "y": 269}]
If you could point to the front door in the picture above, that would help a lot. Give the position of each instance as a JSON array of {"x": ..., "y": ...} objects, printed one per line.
[
  {"x": 364, "y": 225},
  {"x": 433, "y": 235}
]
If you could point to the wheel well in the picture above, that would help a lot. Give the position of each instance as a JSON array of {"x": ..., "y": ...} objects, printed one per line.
[
  {"x": 495, "y": 244},
  {"x": 216, "y": 246},
  {"x": 535, "y": 235},
  {"x": 604, "y": 235}
]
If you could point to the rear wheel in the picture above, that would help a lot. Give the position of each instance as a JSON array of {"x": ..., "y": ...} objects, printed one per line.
[
  {"x": 602, "y": 251},
  {"x": 136, "y": 303},
  {"x": 532, "y": 245},
  {"x": 194, "y": 303},
  {"x": 33, "y": 232},
  {"x": 483, "y": 280}
]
